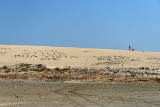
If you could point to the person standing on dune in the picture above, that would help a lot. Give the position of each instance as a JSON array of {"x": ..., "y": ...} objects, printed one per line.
[{"x": 129, "y": 47}]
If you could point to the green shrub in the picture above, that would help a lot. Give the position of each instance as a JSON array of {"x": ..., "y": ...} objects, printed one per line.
[
  {"x": 39, "y": 70},
  {"x": 42, "y": 69},
  {"x": 5, "y": 67},
  {"x": 39, "y": 66},
  {"x": 7, "y": 71},
  {"x": 108, "y": 68},
  {"x": 35, "y": 69},
  {"x": 24, "y": 69},
  {"x": 57, "y": 69},
  {"x": 65, "y": 69},
  {"x": 48, "y": 69},
  {"x": 144, "y": 68},
  {"x": 25, "y": 65}
]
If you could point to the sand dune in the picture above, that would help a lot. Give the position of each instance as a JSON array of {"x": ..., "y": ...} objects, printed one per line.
[
  {"x": 77, "y": 57},
  {"x": 115, "y": 65}
]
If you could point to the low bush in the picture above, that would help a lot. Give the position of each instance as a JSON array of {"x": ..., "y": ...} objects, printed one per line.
[
  {"x": 24, "y": 69},
  {"x": 7, "y": 71},
  {"x": 5, "y": 67},
  {"x": 144, "y": 68}
]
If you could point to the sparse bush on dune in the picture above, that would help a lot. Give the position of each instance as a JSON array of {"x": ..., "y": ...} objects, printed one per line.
[
  {"x": 31, "y": 67},
  {"x": 5, "y": 67},
  {"x": 65, "y": 69},
  {"x": 39, "y": 65},
  {"x": 7, "y": 71},
  {"x": 108, "y": 68},
  {"x": 35, "y": 69},
  {"x": 57, "y": 69},
  {"x": 25, "y": 65},
  {"x": 68, "y": 73},
  {"x": 144, "y": 68},
  {"x": 24, "y": 69}
]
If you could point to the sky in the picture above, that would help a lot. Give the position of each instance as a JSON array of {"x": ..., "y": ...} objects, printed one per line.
[{"x": 105, "y": 24}]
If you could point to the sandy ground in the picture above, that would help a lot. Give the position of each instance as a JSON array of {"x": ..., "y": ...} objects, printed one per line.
[
  {"x": 121, "y": 62},
  {"x": 38, "y": 93},
  {"x": 19, "y": 93},
  {"x": 77, "y": 57}
]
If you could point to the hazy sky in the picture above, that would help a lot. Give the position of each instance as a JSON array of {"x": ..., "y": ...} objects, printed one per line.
[{"x": 108, "y": 24}]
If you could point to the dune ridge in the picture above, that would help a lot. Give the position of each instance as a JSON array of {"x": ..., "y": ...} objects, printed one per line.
[{"x": 121, "y": 62}]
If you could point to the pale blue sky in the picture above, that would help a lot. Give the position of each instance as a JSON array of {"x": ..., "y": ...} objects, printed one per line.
[{"x": 107, "y": 24}]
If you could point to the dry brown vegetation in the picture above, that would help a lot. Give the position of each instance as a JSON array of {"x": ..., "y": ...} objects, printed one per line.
[{"x": 39, "y": 71}]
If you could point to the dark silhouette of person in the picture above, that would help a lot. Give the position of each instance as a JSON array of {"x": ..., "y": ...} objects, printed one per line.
[{"x": 129, "y": 47}]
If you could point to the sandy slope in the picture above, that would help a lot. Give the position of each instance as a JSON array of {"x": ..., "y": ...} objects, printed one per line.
[{"x": 77, "y": 57}]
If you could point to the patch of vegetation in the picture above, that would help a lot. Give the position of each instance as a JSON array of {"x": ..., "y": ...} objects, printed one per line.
[
  {"x": 144, "y": 68},
  {"x": 41, "y": 69},
  {"x": 32, "y": 67},
  {"x": 115, "y": 72},
  {"x": 24, "y": 69},
  {"x": 108, "y": 68},
  {"x": 39, "y": 65},
  {"x": 133, "y": 74},
  {"x": 57, "y": 69},
  {"x": 5, "y": 67},
  {"x": 7, "y": 71},
  {"x": 25, "y": 65},
  {"x": 35, "y": 69},
  {"x": 66, "y": 69},
  {"x": 48, "y": 69}
]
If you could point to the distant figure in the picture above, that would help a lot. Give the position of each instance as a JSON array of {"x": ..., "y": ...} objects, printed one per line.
[{"x": 129, "y": 47}]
